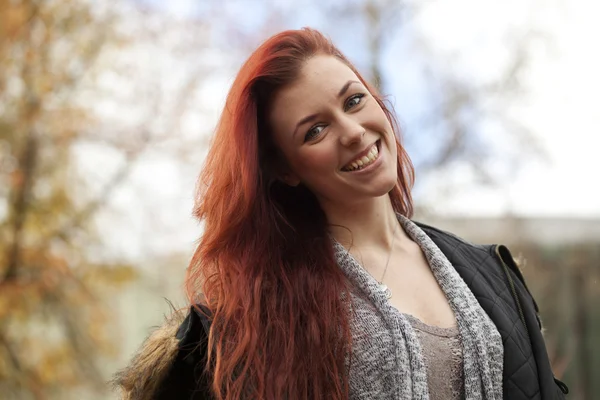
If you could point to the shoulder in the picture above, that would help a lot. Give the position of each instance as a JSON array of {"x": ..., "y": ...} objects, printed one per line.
[
  {"x": 179, "y": 343},
  {"x": 449, "y": 239},
  {"x": 488, "y": 260},
  {"x": 454, "y": 246}
]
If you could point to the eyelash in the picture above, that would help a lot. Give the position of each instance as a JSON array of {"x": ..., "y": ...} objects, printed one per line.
[{"x": 358, "y": 96}]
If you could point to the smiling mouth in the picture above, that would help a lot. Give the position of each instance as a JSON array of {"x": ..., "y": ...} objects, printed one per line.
[{"x": 364, "y": 161}]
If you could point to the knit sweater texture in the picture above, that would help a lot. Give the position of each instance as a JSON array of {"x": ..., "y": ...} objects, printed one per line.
[{"x": 387, "y": 359}]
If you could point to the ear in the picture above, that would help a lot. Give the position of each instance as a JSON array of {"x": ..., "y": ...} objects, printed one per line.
[
  {"x": 283, "y": 172},
  {"x": 290, "y": 179}
]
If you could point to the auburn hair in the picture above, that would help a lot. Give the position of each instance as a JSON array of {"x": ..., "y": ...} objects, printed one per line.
[{"x": 265, "y": 265}]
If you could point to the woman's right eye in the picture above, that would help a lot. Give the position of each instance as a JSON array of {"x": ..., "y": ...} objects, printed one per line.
[{"x": 313, "y": 132}]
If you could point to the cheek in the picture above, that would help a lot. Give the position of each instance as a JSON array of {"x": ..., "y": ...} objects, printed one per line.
[
  {"x": 316, "y": 159},
  {"x": 385, "y": 123},
  {"x": 376, "y": 119}
]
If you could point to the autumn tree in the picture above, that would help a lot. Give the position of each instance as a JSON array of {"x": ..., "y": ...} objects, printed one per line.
[{"x": 54, "y": 329}]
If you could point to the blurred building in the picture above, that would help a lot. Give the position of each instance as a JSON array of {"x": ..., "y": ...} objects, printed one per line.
[{"x": 509, "y": 230}]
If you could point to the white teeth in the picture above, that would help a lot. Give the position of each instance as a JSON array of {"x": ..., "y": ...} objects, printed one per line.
[{"x": 364, "y": 161}]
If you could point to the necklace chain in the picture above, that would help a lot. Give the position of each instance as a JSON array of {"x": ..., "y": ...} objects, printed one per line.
[
  {"x": 390, "y": 253},
  {"x": 386, "y": 290}
]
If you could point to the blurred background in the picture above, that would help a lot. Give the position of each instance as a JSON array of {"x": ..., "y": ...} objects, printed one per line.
[{"x": 107, "y": 108}]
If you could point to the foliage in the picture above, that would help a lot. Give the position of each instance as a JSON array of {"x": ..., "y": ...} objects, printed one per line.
[{"x": 53, "y": 328}]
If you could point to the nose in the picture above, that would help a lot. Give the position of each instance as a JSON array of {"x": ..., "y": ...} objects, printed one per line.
[{"x": 351, "y": 131}]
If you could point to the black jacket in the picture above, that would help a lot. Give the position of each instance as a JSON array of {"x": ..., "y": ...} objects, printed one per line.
[
  {"x": 496, "y": 281},
  {"x": 494, "y": 278}
]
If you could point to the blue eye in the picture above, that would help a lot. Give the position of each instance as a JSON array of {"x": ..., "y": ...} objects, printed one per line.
[
  {"x": 353, "y": 101},
  {"x": 313, "y": 132}
]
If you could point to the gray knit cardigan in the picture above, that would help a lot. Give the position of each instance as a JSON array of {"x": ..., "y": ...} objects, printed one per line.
[{"x": 387, "y": 362}]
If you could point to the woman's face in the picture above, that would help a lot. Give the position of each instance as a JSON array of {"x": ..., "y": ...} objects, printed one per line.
[{"x": 334, "y": 136}]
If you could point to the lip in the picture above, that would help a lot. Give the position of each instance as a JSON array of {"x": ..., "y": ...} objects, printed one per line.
[
  {"x": 361, "y": 155},
  {"x": 371, "y": 166}
]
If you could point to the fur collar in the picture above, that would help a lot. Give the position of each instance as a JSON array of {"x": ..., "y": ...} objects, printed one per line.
[{"x": 140, "y": 380}]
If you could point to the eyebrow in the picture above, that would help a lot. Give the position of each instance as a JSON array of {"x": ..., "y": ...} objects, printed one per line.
[
  {"x": 312, "y": 117},
  {"x": 345, "y": 87}
]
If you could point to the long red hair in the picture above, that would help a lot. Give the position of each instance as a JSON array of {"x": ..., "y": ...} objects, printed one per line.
[{"x": 264, "y": 265}]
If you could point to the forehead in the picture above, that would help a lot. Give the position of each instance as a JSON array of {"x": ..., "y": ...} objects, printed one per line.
[
  {"x": 325, "y": 73},
  {"x": 318, "y": 83}
]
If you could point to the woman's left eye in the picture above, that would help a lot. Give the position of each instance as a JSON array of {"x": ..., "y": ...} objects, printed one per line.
[{"x": 353, "y": 101}]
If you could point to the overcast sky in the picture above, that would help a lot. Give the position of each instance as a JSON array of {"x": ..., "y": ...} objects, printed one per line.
[{"x": 563, "y": 109}]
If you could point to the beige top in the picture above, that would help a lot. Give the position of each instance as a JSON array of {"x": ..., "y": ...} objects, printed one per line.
[{"x": 442, "y": 352}]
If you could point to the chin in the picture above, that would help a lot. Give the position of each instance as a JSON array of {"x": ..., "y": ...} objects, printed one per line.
[
  {"x": 377, "y": 189},
  {"x": 382, "y": 190},
  {"x": 386, "y": 182}
]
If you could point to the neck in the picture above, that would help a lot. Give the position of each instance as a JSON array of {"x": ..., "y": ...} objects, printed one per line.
[{"x": 372, "y": 223}]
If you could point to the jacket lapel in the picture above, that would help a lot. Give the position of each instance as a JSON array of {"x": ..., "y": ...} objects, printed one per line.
[{"x": 483, "y": 274}]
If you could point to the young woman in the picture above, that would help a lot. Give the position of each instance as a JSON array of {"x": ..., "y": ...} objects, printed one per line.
[{"x": 310, "y": 280}]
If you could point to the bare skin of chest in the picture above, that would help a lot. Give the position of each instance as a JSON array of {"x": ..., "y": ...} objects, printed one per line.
[{"x": 415, "y": 290}]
